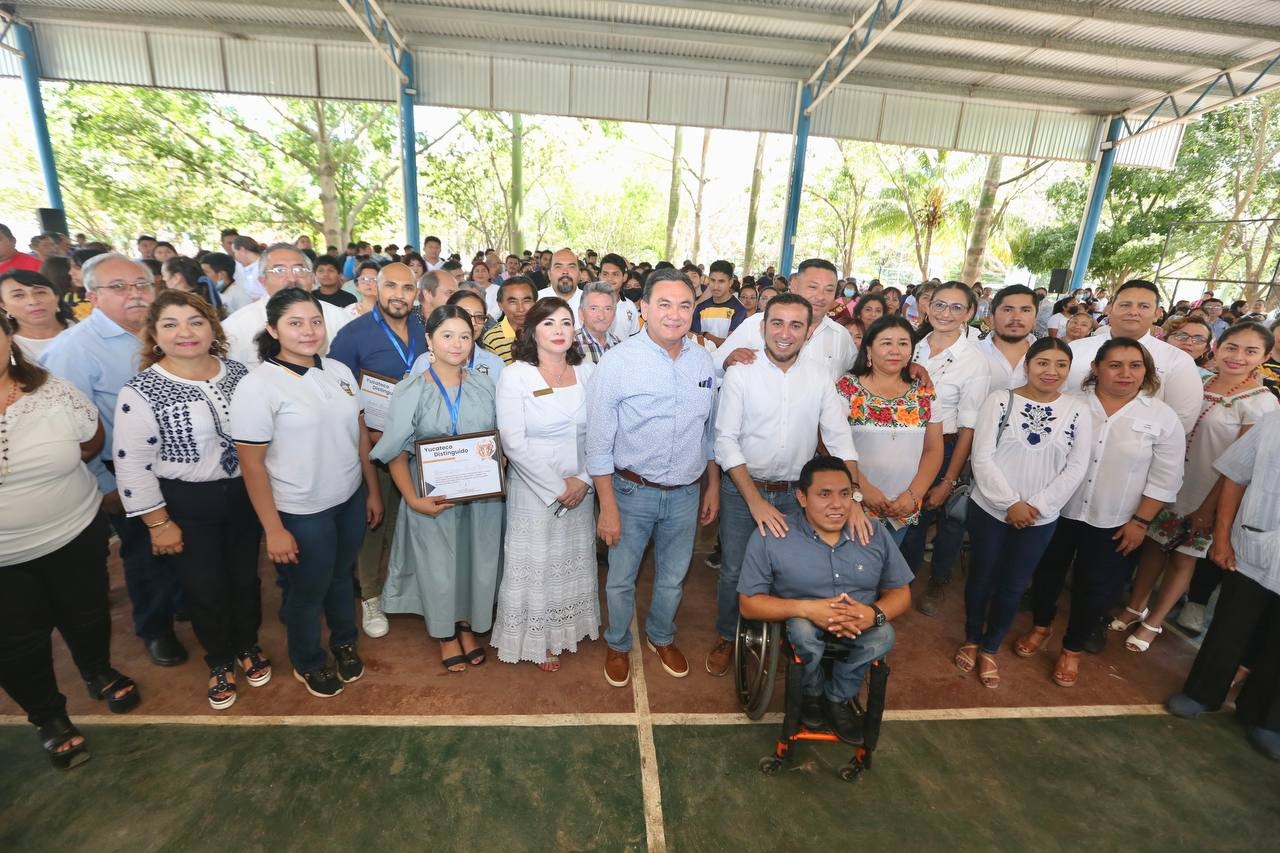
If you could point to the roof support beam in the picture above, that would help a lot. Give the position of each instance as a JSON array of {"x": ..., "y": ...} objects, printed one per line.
[
  {"x": 370, "y": 20},
  {"x": 871, "y": 28},
  {"x": 964, "y": 62},
  {"x": 1137, "y": 17}
]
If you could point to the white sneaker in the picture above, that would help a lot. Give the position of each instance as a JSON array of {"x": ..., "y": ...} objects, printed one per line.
[
  {"x": 375, "y": 621},
  {"x": 1192, "y": 617}
]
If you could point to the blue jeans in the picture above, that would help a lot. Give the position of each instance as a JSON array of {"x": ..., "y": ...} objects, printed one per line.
[
  {"x": 671, "y": 519},
  {"x": 810, "y": 641},
  {"x": 1002, "y": 562},
  {"x": 736, "y": 529},
  {"x": 150, "y": 580},
  {"x": 950, "y": 538},
  {"x": 321, "y": 581}
]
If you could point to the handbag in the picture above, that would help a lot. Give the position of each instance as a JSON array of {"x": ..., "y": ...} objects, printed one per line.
[{"x": 957, "y": 505}]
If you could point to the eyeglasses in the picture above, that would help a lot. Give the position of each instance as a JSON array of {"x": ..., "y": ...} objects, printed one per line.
[
  {"x": 120, "y": 288},
  {"x": 1183, "y": 336},
  {"x": 368, "y": 279},
  {"x": 296, "y": 269},
  {"x": 948, "y": 307},
  {"x": 478, "y": 319}
]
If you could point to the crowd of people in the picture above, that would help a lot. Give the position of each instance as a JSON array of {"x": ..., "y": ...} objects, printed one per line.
[{"x": 204, "y": 409}]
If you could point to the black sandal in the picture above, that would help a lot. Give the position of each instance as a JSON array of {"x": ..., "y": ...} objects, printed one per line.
[
  {"x": 58, "y": 732},
  {"x": 476, "y": 656},
  {"x": 109, "y": 682},
  {"x": 258, "y": 672},
  {"x": 456, "y": 660},
  {"x": 223, "y": 693}
]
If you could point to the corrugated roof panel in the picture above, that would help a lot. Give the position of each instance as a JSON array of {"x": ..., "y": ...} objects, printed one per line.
[
  {"x": 991, "y": 52},
  {"x": 356, "y": 73},
  {"x": 1120, "y": 67},
  {"x": 272, "y": 68},
  {"x": 849, "y": 113},
  {"x": 689, "y": 99},
  {"x": 1248, "y": 11},
  {"x": 1034, "y": 86},
  {"x": 927, "y": 122},
  {"x": 10, "y": 63},
  {"x": 1063, "y": 136},
  {"x": 526, "y": 86},
  {"x": 1132, "y": 35},
  {"x": 187, "y": 61},
  {"x": 1157, "y": 149},
  {"x": 999, "y": 130},
  {"x": 93, "y": 54},
  {"x": 453, "y": 79},
  {"x": 953, "y": 76},
  {"x": 615, "y": 93},
  {"x": 754, "y": 103}
]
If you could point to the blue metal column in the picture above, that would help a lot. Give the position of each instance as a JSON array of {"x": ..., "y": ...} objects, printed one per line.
[
  {"x": 31, "y": 80},
  {"x": 1097, "y": 195},
  {"x": 409, "y": 151},
  {"x": 797, "y": 184}
]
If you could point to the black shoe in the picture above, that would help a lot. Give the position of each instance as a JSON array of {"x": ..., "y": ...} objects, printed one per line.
[
  {"x": 1097, "y": 642},
  {"x": 931, "y": 601},
  {"x": 713, "y": 559},
  {"x": 166, "y": 650},
  {"x": 322, "y": 683},
  {"x": 811, "y": 714},
  {"x": 350, "y": 667},
  {"x": 843, "y": 721}
]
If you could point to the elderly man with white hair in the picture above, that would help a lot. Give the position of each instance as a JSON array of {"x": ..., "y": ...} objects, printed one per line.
[
  {"x": 98, "y": 356},
  {"x": 281, "y": 265}
]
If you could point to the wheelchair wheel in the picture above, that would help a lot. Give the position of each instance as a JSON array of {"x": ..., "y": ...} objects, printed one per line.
[
  {"x": 769, "y": 765},
  {"x": 851, "y": 772},
  {"x": 755, "y": 664}
]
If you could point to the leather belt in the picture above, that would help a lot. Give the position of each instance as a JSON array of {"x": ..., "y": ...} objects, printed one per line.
[
  {"x": 633, "y": 477},
  {"x": 776, "y": 485}
]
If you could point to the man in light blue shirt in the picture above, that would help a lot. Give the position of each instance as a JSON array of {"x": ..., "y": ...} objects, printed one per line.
[
  {"x": 650, "y": 449},
  {"x": 99, "y": 356}
]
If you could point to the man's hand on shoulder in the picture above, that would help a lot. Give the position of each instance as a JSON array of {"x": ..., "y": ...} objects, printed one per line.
[{"x": 742, "y": 355}]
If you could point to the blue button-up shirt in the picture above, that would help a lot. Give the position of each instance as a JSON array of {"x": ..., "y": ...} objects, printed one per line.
[
  {"x": 651, "y": 414},
  {"x": 98, "y": 356},
  {"x": 802, "y": 565},
  {"x": 363, "y": 345}
]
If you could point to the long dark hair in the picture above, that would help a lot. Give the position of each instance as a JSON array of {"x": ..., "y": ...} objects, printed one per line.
[
  {"x": 28, "y": 375},
  {"x": 861, "y": 364},
  {"x": 869, "y": 297},
  {"x": 195, "y": 278},
  {"x": 27, "y": 278},
  {"x": 268, "y": 346},
  {"x": 1150, "y": 381},
  {"x": 525, "y": 347}
]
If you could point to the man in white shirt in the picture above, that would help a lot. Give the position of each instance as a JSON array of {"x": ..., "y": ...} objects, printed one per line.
[
  {"x": 829, "y": 346},
  {"x": 280, "y": 266},
  {"x": 564, "y": 282},
  {"x": 246, "y": 252},
  {"x": 1133, "y": 310},
  {"x": 431, "y": 254},
  {"x": 1013, "y": 316},
  {"x": 626, "y": 320},
  {"x": 768, "y": 419}
]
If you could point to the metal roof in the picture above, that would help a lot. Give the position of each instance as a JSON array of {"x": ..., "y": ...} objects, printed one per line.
[{"x": 1020, "y": 77}]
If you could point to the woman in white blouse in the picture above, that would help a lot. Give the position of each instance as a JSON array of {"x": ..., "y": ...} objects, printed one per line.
[
  {"x": 53, "y": 551},
  {"x": 1234, "y": 400},
  {"x": 177, "y": 468},
  {"x": 1030, "y": 451},
  {"x": 1134, "y": 469},
  {"x": 960, "y": 376},
  {"x": 548, "y": 599},
  {"x": 30, "y": 301}
]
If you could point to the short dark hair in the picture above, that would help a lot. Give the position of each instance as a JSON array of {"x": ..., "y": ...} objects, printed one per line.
[
  {"x": 269, "y": 347},
  {"x": 668, "y": 274},
  {"x": 221, "y": 262},
  {"x": 328, "y": 261},
  {"x": 1246, "y": 326},
  {"x": 431, "y": 239},
  {"x": 229, "y": 232},
  {"x": 1150, "y": 381},
  {"x": 451, "y": 265},
  {"x": 158, "y": 245},
  {"x": 861, "y": 364},
  {"x": 513, "y": 281},
  {"x": 525, "y": 347},
  {"x": 1143, "y": 284},
  {"x": 1044, "y": 344},
  {"x": 1204, "y": 302},
  {"x": 1012, "y": 290},
  {"x": 447, "y": 312},
  {"x": 142, "y": 237},
  {"x": 615, "y": 259},
  {"x": 789, "y": 299},
  {"x": 725, "y": 267},
  {"x": 366, "y": 265},
  {"x": 247, "y": 244},
  {"x": 821, "y": 463},
  {"x": 818, "y": 263}
]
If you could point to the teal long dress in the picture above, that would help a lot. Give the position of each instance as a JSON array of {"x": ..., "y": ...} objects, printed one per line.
[{"x": 446, "y": 568}]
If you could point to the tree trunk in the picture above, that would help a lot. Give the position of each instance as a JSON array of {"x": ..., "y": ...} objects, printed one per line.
[
  {"x": 673, "y": 197},
  {"x": 1259, "y": 163},
  {"x": 334, "y": 233},
  {"x": 982, "y": 217},
  {"x": 697, "y": 200},
  {"x": 515, "y": 212},
  {"x": 753, "y": 205}
]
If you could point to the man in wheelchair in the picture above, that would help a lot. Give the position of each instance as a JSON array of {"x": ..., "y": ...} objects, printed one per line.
[{"x": 830, "y": 590}]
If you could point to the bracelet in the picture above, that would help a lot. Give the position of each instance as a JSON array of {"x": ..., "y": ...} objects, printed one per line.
[
  {"x": 161, "y": 523},
  {"x": 1145, "y": 522},
  {"x": 913, "y": 497}
]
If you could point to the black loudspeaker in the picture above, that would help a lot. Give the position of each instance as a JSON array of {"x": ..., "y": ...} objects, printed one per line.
[
  {"x": 53, "y": 219},
  {"x": 1059, "y": 279}
]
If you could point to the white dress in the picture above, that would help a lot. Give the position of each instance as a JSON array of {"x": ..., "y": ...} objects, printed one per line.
[{"x": 548, "y": 599}]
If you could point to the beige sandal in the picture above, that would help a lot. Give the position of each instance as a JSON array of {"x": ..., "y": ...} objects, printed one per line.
[
  {"x": 989, "y": 676},
  {"x": 966, "y": 657},
  {"x": 1067, "y": 669},
  {"x": 1031, "y": 642}
]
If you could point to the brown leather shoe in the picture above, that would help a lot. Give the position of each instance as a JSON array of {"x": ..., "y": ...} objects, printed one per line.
[
  {"x": 719, "y": 658},
  {"x": 673, "y": 660},
  {"x": 617, "y": 668}
]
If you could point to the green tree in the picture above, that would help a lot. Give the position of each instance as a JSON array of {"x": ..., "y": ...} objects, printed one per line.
[{"x": 843, "y": 191}]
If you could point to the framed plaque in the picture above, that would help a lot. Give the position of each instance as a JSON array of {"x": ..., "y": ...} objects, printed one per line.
[
  {"x": 461, "y": 468},
  {"x": 375, "y": 397}
]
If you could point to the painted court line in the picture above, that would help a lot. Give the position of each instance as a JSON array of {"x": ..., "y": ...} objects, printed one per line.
[{"x": 649, "y": 782}]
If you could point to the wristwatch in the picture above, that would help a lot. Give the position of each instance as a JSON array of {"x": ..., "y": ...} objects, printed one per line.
[
  {"x": 880, "y": 618},
  {"x": 857, "y": 493}
]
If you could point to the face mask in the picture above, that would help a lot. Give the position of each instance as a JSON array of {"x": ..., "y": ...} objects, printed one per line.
[
  {"x": 633, "y": 293},
  {"x": 1073, "y": 309},
  {"x": 849, "y": 291}
]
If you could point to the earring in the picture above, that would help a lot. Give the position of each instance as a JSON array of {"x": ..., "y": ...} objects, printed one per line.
[
  {"x": 156, "y": 350},
  {"x": 431, "y": 356}
]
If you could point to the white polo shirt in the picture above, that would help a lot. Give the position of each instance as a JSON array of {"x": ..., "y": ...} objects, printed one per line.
[
  {"x": 310, "y": 425},
  {"x": 243, "y": 326},
  {"x": 1180, "y": 384}
]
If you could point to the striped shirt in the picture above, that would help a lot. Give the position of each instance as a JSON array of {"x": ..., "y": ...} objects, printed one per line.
[{"x": 499, "y": 340}]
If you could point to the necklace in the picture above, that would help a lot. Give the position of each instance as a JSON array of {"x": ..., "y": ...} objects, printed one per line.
[
  {"x": 1212, "y": 399},
  {"x": 559, "y": 378}
]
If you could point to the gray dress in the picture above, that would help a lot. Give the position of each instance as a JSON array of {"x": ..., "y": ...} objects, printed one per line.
[{"x": 445, "y": 568}]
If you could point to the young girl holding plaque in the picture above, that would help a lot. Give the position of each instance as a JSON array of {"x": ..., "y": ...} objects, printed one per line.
[{"x": 445, "y": 557}]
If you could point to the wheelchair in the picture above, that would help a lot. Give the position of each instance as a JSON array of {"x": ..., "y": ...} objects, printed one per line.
[{"x": 758, "y": 653}]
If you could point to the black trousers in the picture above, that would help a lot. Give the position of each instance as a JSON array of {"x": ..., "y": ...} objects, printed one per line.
[
  {"x": 1247, "y": 620},
  {"x": 1097, "y": 579},
  {"x": 66, "y": 590},
  {"x": 218, "y": 566},
  {"x": 1205, "y": 580}
]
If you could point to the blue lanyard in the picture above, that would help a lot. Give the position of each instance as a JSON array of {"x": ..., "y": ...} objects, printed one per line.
[
  {"x": 395, "y": 341},
  {"x": 454, "y": 405}
]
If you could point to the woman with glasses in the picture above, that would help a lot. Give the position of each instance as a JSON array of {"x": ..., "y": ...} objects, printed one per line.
[
  {"x": 366, "y": 282},
  {"x": 960, "y": 376},
  {"x": 1191, "y": 334}
]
